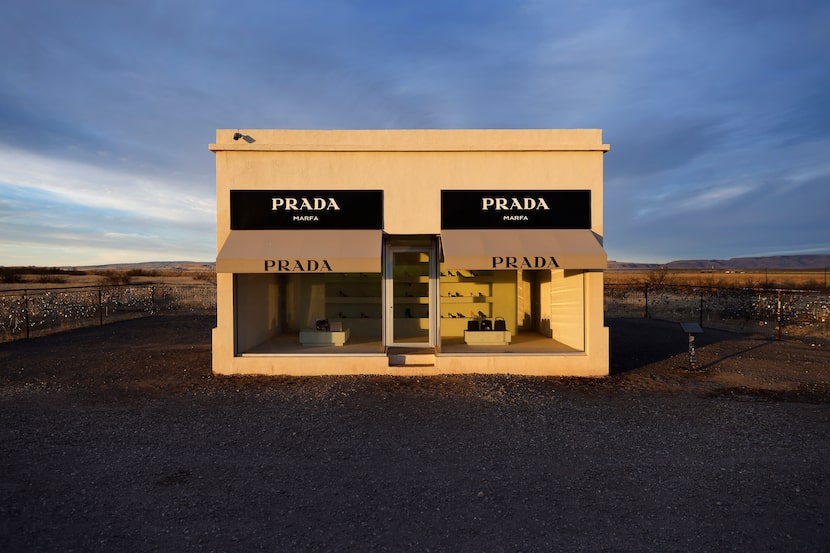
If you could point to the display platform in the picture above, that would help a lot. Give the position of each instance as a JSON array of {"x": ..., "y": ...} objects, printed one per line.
[
  {"x": 487, "y": 337},
  {"x": 324, "y": 337}
]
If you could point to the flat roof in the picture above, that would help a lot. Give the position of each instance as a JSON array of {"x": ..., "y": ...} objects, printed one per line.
[{"x": 427, "y": 140}]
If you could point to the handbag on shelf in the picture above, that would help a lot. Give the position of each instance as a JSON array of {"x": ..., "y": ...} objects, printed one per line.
[
  {"x": 472, "y": 324},
  {"x": 486, "y": 324},
  {"x": 500, "y": 324}
]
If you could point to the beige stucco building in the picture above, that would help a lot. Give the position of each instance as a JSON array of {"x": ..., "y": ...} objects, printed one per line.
[{"x": 410, "y": 252}]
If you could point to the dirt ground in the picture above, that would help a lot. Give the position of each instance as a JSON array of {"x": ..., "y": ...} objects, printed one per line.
[{"x": 118, "y": 438}]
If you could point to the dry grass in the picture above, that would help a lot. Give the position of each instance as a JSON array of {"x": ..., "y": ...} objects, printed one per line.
[
  {"x": 18, "y": 278},
  {"x": 815, "y": 279}
]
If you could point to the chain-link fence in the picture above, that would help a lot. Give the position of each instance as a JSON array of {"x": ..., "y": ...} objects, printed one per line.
[
  {"x": 30, "y": 313},
  {"x": 799, "y": 314}
]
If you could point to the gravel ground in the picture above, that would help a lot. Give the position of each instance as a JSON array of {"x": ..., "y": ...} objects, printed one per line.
[{"x": 118, "y": 438}]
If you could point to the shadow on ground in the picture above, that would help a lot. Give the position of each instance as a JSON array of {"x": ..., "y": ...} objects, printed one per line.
[{"x": 636, "y": 343}]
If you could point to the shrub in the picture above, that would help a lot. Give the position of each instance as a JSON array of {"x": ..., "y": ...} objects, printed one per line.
[
  {"x": 114, "y": 277},
  {"x": 657, "y": 278},
  {"x": 143, "y": 273},
  {"x": 207, "y": 277},
  {"x": 11, "y": 274},
  {"x": 51, "y": 279}
]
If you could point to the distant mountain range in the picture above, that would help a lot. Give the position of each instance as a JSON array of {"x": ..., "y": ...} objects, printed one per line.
[
  {"x": 821, "y": 261},
  {"x": 197, "y": 266}
]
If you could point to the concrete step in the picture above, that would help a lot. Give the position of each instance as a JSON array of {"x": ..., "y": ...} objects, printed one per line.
[{"x": 411, "y": 357}]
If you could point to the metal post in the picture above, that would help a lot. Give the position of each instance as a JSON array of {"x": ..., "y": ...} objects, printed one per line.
[
  {"x": 779, "y": 314},
  {"x": 692, "y": 329},
  {"x": 645, "y": 311},
  {"x": 760, "y": 308},
  {"x": 692, "y": 359},
  {"x": 26, "y": 311}
]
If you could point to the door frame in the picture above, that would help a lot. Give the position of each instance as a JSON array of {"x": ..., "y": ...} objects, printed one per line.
[{"x": 392, "y": 246}]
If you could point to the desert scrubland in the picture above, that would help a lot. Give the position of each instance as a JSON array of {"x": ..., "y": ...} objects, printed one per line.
[
  {"x": 17, "y": 278},
  {"x": 788, "y": 279}
]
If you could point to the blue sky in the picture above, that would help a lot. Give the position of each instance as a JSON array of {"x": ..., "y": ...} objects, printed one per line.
[{"x": 717, "y": 111}]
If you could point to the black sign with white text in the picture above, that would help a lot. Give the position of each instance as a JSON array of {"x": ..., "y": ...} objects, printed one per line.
[
  {"x": 515, "y": 209},
  {"x": 306, "y": 209}
]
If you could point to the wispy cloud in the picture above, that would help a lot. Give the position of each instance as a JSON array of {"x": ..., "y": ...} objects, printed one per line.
[
  {"x": 82, "y": 184},
  {"x": 712, "y": 198}
]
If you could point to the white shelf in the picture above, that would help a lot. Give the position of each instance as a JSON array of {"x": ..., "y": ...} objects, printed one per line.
[{"x": 356, "y": 300}]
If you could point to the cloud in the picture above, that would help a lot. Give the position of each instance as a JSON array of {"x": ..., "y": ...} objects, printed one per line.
[
  {"x": 68, "y": 213},
  {"x": 102, "y": 189},
  {"x": 716, "y": 112},
  {"x": 712, "y": 198}
]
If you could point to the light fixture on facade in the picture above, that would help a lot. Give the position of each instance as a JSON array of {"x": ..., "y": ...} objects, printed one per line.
[{"x": 237, "y": 135}]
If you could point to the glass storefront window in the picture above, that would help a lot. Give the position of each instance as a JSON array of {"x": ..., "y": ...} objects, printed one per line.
[
  {"x": 337, "y": 313},
  {"x": 473, "y": 303},
  {"x": 341, "y": 313},
  {"x": 541, "y": 310},
  {"x": 467, "y": 295}
]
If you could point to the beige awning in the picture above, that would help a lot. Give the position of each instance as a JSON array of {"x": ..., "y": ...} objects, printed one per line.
[
  {"x": 523, "y": 249},
  {"x": 301, "y": 251}
]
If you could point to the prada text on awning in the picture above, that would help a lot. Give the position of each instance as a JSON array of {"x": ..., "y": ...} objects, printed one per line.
[
  {"x": 523, "y": 249},
  {"x": 300, "y": 251}
]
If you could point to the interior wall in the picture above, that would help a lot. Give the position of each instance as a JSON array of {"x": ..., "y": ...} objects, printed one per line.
[
  {"x": 305, "y": 301},
  {"x": 542, "y": 309},
  {"x": 504, "y": 298},
  {"x": 257, "y": 309},
  {"x": 535, "y": 315},
  {"x": 524, "y": 291},
  {"x": 567, "y": 307}
]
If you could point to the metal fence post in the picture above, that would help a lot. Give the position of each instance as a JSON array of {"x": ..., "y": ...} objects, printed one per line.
[
  {"x": 779, "y": 314},
  {"x": 645, "y": 310},
  {"x": 26, "y": 311}
]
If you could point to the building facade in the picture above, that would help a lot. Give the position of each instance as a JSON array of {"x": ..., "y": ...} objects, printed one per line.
[{"x": 410, "y": 252}]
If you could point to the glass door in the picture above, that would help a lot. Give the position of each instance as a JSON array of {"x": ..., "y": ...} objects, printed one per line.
[{"x": 410, "y": 293}]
